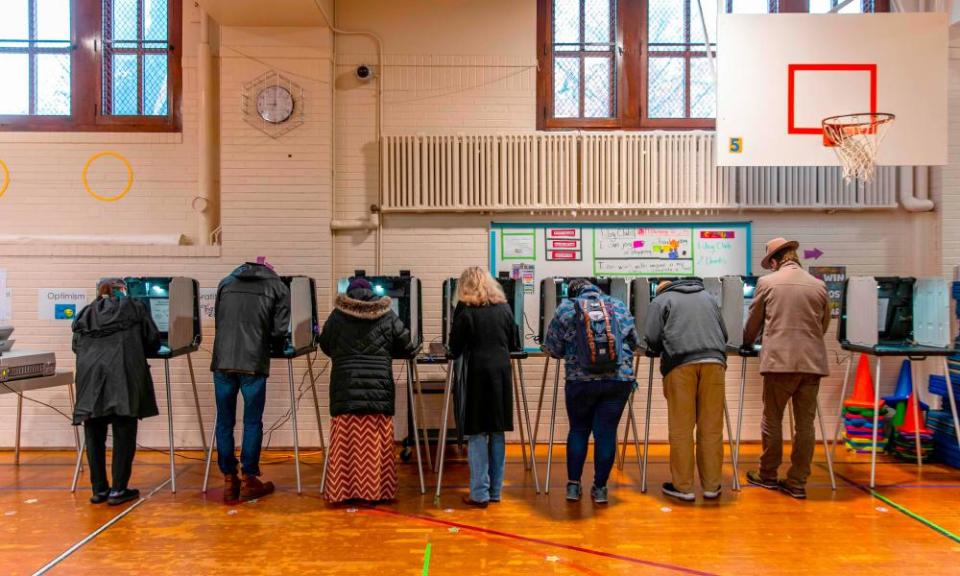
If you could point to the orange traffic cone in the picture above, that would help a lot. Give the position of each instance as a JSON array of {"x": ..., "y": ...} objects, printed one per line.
[
  {"x": 910, "y": 423},
  {"x": 862, "y": 387}
]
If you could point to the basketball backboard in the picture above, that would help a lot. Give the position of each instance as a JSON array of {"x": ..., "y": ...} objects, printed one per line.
[{"x": 780, "y": 75}]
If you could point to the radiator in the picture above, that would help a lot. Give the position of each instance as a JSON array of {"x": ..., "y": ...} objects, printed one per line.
[{"x": 546, "y": 171}]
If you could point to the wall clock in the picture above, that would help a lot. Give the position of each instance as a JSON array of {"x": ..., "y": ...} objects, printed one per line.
[{"x": 273, "y": 104}]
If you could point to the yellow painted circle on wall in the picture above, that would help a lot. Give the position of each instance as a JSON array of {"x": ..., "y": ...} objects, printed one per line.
[
  {"x": 126, "y": 189},
  {"x": 6, "y": 177}
]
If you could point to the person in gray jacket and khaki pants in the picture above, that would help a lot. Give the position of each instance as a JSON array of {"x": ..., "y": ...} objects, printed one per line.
[
  {"x": 685, "y": 329},
  {"x": 791, "y": 308}
]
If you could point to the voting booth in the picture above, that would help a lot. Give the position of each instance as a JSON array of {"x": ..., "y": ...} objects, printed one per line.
[
  {"x": 554, "y": 290},
  {"x": 174, "y": 305},
  {"x": 893, "y": 312},
  {"x": 304, "y": 319},
  {"x": 736, "y": 296},
  {"x": 512, "y": 289},
  {"x": 642, "y": 293}
]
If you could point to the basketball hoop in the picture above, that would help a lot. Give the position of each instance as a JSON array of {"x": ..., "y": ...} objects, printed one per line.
[{"x": 856, "y": 138}]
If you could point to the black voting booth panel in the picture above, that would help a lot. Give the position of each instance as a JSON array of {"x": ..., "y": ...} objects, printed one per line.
[
  {"x": 513, "y": 289},
  {"x": 554, "y": 290},
  {"x": 406, "y": 293},
  {"x": 304, "y": 320},
  {"x": 174, "y": 305}
]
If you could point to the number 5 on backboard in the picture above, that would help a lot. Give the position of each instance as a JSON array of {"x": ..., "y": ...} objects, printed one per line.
[{"x": 736, "y": 145}]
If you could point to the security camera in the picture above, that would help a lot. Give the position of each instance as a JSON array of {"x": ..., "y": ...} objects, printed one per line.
[{"x": 364, "y": 72}]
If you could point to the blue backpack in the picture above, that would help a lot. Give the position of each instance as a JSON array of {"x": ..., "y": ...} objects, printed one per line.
[{"x": 598, "y": 337}]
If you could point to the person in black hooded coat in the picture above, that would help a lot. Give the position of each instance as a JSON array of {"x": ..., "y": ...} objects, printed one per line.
[
  {"x": 362, "y": 337},
  {"x": 112, "y": 338},
  {"x": 483, "y": 334}
]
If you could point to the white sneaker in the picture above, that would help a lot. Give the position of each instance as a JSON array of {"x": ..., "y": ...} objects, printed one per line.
[
  {"x": 712, "y": 494},
  {"x": 669, "y": 489}
]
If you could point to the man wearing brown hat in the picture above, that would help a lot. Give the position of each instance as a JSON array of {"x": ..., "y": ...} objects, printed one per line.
[{"x": 791, "y": 308}]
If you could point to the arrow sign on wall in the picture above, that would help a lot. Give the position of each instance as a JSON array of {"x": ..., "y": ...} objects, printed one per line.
[{"x": 814, "y": 254}]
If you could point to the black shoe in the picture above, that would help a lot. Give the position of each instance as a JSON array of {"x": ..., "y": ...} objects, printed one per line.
[
  {"x": 797, "y": 492},
  {"x": 670, "y": 490},
  {"x": 118, "y": 497},
  {"x": 100, "y": 497},
  {"x": 755, "y": 479}
]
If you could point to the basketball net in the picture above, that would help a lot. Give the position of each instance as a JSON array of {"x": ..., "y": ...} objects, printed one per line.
[{"x": 856, "y": 138}]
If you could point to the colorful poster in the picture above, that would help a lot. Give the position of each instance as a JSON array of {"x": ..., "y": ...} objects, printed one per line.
[
  {"x": 60, "y": 303},
  {"x": 833, "y": 277},
  {"x": 526, "y": 274}
]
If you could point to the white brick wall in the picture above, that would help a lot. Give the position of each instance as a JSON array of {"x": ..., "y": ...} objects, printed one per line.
[{"x": 276, "y": 194}]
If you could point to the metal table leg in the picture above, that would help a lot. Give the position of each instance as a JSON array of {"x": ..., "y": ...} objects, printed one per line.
[
  {"x": 442, "y": 448},
  {"x": 423, "y": 414},
  {"x": 196, "y": 402},
  {"x": 209, "y": 458},
  {"x": 516, "y": 401},
  {"x": 631, "y": 422},
  {"x": 743, "y": 386},
  {"x": 296, "y": 429},
  {"x": 916, "y": 412},
  {"x": 843, "y": 394},
  {"x": 876, "y": 426},
  {"x": 76, "y": 469},
  {"x": 173, "y": 470},
  {"x": 73, "y": 406},
  {"x": 526, "y": 415},
  {"x": 736, "y": 471},
  {"x": 646, "y": 432},
  {"x": 416, "y": 431},
  {"x": 543, "y": 388},
  {"x": 553, "y": 427},
  {"x": 826, "y": 447},
  {"x": 16, "y": 450},
  {"x": 316, "y": 408}
]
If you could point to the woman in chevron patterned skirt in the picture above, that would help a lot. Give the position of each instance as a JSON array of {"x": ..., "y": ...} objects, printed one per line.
[{"x": 362, "y": 337}]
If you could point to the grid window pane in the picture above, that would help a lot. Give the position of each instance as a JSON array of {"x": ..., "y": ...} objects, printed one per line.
[
  {"x": 597, "y": 95},
  {"x": 665, "y": 22},
  {"x": 124, "y": 82},
  {"x": 155, "y": 20},
  {"x": 855, "y": 7},
  {"x": 696, "y": 25},
  {"x": 124, "y": 18},
  {"x": 14, "y": 24},
  {"x": 566, "y": 24},
  {"x": 703, "y": 98},
  {"x": 666, "y": 88},
  {"x": 749, "y": 6},
  {"x": 15, "y": 96},
  {"x": 53, "y": 20},
  {"x": 53, "y": 84},
  {"x": 155, "y": 85},
  {"x": 597, "y": 24},
  {"x": 566, "y": 87}
]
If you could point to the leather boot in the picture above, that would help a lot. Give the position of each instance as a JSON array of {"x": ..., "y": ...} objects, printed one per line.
[
  {"x": 231, "y": 489},
  {"x": 253, "y": 488}
]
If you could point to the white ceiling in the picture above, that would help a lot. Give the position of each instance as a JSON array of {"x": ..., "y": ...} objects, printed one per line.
[{"x": 265, "y": 12}]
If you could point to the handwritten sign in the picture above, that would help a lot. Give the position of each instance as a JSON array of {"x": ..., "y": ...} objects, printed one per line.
[{"x": 519, "y": 246}]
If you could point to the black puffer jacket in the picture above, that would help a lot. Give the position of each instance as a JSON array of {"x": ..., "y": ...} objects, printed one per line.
[
  {"x": 362, "y": 336},
  {"x": 111, "y": 338},
  {"x": 253, "y": 318}
]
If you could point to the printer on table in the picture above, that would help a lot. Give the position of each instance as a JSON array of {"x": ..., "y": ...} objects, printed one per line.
[{"x": 23, "y": 363}]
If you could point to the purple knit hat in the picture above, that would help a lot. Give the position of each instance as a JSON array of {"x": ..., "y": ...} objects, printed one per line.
[{"x": 359, "y": 284}]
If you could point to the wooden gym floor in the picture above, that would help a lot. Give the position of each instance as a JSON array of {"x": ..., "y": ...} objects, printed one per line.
[{"x": 908, "y": 526}]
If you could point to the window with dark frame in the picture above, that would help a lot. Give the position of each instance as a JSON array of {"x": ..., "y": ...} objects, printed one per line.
[
  {"x": 636, "y": 64},
  {"x": 124, "y": 76}
]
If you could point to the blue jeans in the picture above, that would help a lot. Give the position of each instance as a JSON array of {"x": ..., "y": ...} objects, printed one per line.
[
  {"x": 486, "y": 454},
  {"x": 594, "y": 406},
  {"x": 254, "y": 389}
]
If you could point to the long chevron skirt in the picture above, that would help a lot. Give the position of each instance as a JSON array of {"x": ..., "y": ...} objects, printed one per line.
[{"x": 363, "y": 464}]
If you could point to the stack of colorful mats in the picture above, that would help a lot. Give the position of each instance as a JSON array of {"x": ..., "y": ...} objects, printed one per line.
[
  {"x": 904, "y": 430},
  {"x": 941, "y": 421},
  {"x": 858, "y": 413}
]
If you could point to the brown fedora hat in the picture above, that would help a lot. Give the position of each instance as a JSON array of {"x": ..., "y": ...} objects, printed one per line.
[{"x": 777, "y": 245}]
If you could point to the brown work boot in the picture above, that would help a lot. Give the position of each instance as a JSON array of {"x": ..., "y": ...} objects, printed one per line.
[
  {"x": 231, "y": 489},
  {"x": 253, "y": 488}
]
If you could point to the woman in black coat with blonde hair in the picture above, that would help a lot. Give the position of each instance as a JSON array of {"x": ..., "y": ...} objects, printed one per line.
[{"x": 484, "y": 334}]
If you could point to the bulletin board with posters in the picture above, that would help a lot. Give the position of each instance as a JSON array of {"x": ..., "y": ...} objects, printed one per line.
[{"x": 534, "y": 251}]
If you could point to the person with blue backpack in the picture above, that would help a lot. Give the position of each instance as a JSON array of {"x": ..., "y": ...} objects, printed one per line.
[{"x": 594, "y": 334}]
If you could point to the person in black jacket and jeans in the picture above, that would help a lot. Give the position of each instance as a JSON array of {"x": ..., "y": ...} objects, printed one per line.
[
  {"x": 252, "y": 319},
  {"x": 483, "y": 334},
  {"x": 362, "y": 336},
  {"x": 111, "y": 338}
]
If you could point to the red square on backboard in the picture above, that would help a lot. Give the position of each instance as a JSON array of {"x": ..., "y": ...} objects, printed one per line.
[{"x": 792, "y": 70}]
